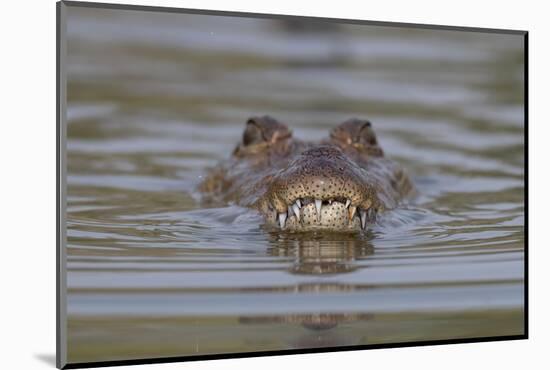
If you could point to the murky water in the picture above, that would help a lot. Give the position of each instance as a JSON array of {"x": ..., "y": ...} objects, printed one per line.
[{"x": 155, "y": 99}]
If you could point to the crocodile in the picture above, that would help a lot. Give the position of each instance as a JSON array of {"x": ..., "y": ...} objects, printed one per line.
[{"x": 340, "y": 183}]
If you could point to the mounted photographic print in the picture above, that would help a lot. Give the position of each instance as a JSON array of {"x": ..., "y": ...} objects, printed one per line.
[{"x": 234, "y": 184}]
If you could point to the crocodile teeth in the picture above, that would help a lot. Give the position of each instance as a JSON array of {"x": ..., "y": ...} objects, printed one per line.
[
  {"x": 348, "y": 202},
  {"x": 298, "y": 203},
  {"x": 351, "y": 212},
  {"x": 296, "y": 210},
  {"x": 363, "y": 216},
  {"x": 282, "y": 220},
  {"x": 318, "y": 203}
]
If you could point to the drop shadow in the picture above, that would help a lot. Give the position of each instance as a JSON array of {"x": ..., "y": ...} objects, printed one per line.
[{"x": 47, "y": 358}]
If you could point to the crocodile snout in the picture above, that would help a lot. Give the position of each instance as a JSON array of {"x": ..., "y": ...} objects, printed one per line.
[{"x": 322, "y": 188}]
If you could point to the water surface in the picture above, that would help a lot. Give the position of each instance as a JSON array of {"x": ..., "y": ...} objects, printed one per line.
[{"x": 156, "y": 99}]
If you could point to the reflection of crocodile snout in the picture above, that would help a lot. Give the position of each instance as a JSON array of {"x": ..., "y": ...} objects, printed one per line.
[
  {"x": 328, "y": 254},
  {"x": 326, "y": 259}
]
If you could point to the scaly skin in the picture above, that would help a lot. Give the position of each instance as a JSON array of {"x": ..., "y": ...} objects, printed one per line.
[{"x": 339, "y": 184}]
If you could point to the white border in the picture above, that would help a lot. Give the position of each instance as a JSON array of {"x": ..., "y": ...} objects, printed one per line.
[{"x": 28, "y": 186}]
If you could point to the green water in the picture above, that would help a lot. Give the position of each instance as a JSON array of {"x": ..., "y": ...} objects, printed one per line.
[{"x": 156, "y": 99}]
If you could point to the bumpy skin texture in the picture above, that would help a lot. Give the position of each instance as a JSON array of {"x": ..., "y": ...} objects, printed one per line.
[{"x": 340, "y": 183}]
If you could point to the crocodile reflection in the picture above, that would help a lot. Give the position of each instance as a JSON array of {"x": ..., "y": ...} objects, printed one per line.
[{"x": 319, "y": 254}]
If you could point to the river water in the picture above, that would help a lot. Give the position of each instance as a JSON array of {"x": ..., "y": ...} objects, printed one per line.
[{"x": 154, "y": 99}]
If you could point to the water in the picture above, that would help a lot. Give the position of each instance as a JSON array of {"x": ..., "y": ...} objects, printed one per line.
[{"x": 156, "y": 99}]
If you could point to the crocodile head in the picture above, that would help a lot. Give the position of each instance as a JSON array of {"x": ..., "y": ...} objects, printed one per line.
[{"x": 340, "y": 183}]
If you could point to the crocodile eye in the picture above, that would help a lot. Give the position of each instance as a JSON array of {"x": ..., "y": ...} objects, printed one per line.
[
  {"x": 366, "y": 135},
  {"x": 264, "y": 130},
  {"x": 252, "y": 134},
  {"x": 357, "y": 133},
  {"x": 353, "y": 131}
]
